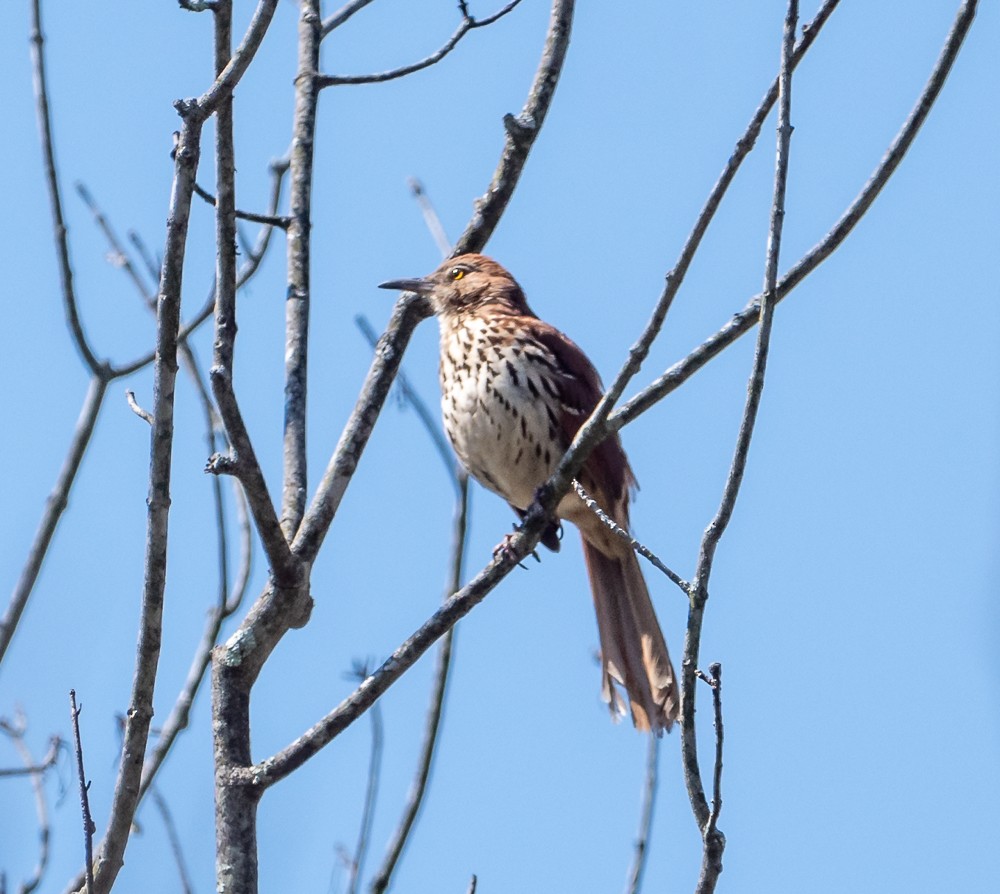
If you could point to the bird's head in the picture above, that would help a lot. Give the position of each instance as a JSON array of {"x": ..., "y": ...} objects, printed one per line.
[{"x": 466, "y": 283}]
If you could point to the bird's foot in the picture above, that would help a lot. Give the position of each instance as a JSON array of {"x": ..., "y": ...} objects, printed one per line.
[{"x": 504, "y": 548}]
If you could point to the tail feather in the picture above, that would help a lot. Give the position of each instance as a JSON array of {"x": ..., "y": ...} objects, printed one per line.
[{"x": 633, "y": 650}]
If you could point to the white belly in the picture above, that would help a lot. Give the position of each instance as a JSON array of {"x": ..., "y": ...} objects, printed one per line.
[{"x": 500, "y": 431}]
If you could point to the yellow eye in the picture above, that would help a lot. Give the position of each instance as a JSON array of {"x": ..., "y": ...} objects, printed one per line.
[{"x": 457, "y": 273}]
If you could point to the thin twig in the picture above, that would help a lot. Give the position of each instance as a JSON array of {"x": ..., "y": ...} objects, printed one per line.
[
  {"x": 15, "y": 731},
  {"x": 432, "y": 725},
  {"x": 55, "y": 506},
  {"x": 613, "y": 526},
  {"x": 247, "y": 272},
  {"x": 435, "y": 710},
  {"x": 272, "y": 220},
  {"x": 174, "y": 839},
  {"x": 430, "y": 216},
  {"x": 152, "y": 264},
  {"x": 714, "y": 679},
  {"x": 371, "y": 791},
  {"x": 120, "y": 257},
  {"x": 342, "y": 15},
  {"x": 89, "y": 828},
  {"x": 633, "y": 884},
  {"x": 98, "y": 368},
  {"x": 242, "y": 460},
  {"x": 467, "y": 25},
  {"x": 133, "y": 404}
]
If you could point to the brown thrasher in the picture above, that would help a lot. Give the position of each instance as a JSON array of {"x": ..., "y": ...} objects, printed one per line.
[{"x": 514, "y": 391}]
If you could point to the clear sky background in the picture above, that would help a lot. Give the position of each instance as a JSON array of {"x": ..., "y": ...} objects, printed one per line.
[{"x": 854, "y": 597}]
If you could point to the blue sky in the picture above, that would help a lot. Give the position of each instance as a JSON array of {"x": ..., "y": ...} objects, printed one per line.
[{"x": 854, "y": 597}]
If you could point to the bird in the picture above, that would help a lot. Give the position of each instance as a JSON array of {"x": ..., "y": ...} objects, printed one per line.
[{"x": 514, "y": 392}]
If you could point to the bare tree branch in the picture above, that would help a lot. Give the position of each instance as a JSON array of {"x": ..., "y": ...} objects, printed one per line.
[
  {"x": 598, "y": 426},
  {"x": 59, "y": 497},
  {"x": 371, "y": 791},
  {"x": 278, "y": 170},
  {"x": 174, "y": 839},
  {"x": 120, "y": 257},
  {"x": 55, "y": 505},
  {"x": 193, "y": 114},
  {"x": 747, "y": 318},
  {"x": 98, "y": 368},
  {"x": 714, "y": 680},
  {"x": 418, "y": 788},
  {"x": 714, "y": 841},
  {"x": 15, "y": 731},
  {"x": 467, "y": 25},
  {"x": 272, "y": 220},
  {"x": 152, "y": 264},
  {"x": 619, "y": 531},
  {"x": 633, "y": 884},
  {"x": 242, "y": 462},
  {"x": 88, "y": 823},
  {"x": 299, "y": 247},
  {"x": 430, "y": 216},
  {"x": 342, "y": 15}
]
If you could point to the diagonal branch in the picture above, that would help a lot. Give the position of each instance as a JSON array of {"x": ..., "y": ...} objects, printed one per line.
[
  {"x": 597, "y": 427},
  {"x": 468, "y": 24},
  {"x": 335, "y": 20},
  {"x": 747, "y": 318},
  {"x": 55, "y": 505}
]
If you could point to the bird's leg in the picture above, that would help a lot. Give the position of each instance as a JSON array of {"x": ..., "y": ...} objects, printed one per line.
[{"x": 504, "y": 547}]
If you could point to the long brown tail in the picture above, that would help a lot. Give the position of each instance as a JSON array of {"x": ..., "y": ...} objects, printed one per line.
[{"x": 633, "y": 651}]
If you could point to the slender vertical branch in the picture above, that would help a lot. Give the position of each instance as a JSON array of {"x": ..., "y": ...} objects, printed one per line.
[
  {"x": 88, "y": 822},
  {"x": 293, "y": 497},
  {"x": 97, "y": 367},
  {"x": 174, "y": 839},
  {"x": 243, "y": 461},
  {"x": 371, "y": 794},
  {"x": 633, "y": 884},
  {"x": 15, "y": 731},
  {"x": 714, "y": 841}
]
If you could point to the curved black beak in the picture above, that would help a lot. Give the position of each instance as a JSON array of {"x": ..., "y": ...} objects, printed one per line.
[{"x": 420, "y": 286}]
